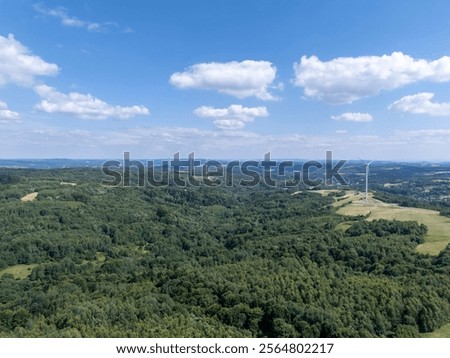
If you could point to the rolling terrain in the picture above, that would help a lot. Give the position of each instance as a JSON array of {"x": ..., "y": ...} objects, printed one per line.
[{"x": 86, "y": 260}]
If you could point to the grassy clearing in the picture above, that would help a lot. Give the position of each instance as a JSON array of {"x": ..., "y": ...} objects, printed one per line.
[
  {"x": 443, "y": 332},
  {"x": 343, "y": 226},
  {"x": 29, "y": 197},
  {"x": 18, "y": 271},
  {"x": 438, "y": 235},
  {"x": 99, "y": 259}
]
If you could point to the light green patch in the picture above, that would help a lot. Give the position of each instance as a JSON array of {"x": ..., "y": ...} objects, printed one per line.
[
  {"x": 443, "y": 332},
  {"x": 18, "y": 271},
  {"x": 100, "y": 257},
  {"x": 139, "y": 250},
  {"x": 343, "y": 226}
]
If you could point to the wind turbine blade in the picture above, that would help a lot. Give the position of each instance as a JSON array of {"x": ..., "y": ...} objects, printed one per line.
[
  {"x": 370, "y": 162},
  {"x": 362, "y": 161}
]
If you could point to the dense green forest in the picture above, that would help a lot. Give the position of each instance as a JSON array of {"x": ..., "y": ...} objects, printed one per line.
[{"x": 206, "y": 262}]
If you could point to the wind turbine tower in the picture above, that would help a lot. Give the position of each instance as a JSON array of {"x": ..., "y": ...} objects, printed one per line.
[{"x": 367, "y": 180}]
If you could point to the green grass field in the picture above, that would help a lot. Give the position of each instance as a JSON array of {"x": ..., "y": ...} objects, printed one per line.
[
  {"x": 438, "y": 235},
  {"x": 443, "y": 332},
  {"x": 18, "y": 271}
]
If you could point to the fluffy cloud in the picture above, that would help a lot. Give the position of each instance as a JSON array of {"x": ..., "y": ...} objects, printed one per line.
[
  {"x": 421, "y": 103},
  {"x": 6, "y": 115},
  {"x": 347, "y": 79},
  {"x": 19, "y": 66},
  {"x": 239, "y": 79},
  {"x": 233, "y": 117},
  {"x": 83, "y": 105},
  {"x": 71, "y": 21},
  {"x": 353, "y": 117}
]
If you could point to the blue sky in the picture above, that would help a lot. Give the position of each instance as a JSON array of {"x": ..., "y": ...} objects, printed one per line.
[{"x": 225, "y": 79}]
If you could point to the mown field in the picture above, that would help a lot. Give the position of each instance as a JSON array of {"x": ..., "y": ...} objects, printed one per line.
[
  {"x": 437, "y": 237},
  {"x": 443, "y": 332}
]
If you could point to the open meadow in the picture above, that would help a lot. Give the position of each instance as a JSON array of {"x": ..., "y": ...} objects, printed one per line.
[{"x": 437, "y": 237}]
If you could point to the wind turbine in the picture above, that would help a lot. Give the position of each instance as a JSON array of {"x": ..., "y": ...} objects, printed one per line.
[{"x": 367, "y": 178}]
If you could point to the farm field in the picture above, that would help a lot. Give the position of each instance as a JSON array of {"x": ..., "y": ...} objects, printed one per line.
[{"x": 438, "y": 235}]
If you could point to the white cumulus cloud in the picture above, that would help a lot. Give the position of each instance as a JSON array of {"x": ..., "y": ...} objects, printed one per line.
[
  {"x": 6, "y": 115},
  {"x": 353, "y": 117},
  {"x": 421, "y": 103},
  {"x": 233, "y": 117},
  {"x": 347, "y": 79},
  {"x": 19, "y": 66},
  {"x": 239, "y": 79},
  {"x": 83, "y": 105}
]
